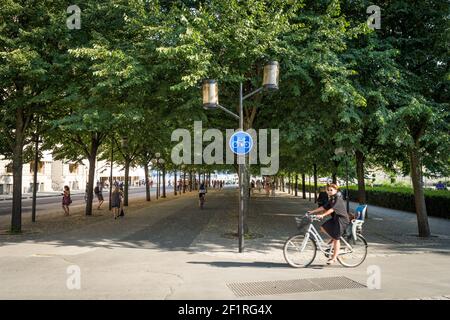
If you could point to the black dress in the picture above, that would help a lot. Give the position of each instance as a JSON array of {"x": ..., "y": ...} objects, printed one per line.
[{"x": 339, "y": 221}]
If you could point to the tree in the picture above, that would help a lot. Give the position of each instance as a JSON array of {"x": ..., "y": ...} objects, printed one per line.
[
  {"x": 418, "y": 109},
  {"x": 28, "y": 73}
]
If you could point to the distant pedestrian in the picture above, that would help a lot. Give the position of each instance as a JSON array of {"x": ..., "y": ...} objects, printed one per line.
[
  {"x": 267, "y": 187},
  {"x": 116, "y": 201},
  {"x": 258, "y": 185},
  {"x": 66, "y": 200},
  {"x": 86, "y": 193},
  {"x": 99, "y": 194}
]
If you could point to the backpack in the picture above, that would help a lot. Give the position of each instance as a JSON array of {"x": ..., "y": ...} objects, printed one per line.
[{"x": 96, "y": 190}]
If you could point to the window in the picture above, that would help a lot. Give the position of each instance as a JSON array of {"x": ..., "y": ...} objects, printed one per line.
[
  {"x": 9, "y": 168},
  {"x": 73, "y": 167},
  {"x": 40, "y": 167}
]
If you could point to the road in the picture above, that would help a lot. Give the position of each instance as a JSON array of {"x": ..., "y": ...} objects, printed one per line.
[{"x": 47, "y": 203}]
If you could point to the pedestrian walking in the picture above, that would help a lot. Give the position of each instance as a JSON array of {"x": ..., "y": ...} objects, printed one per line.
[
  {"x": 86, "y": 193},
  {"x": 258, "y": 185},
  {"x": 116, "y": 201},
  {"x": 267, "y": 187},
  {"x": 99, "y": 194},
  {"x": 66, "y": 200}
]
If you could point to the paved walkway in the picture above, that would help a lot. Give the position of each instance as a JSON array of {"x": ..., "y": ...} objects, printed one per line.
[{"x": 172, "y": 250}]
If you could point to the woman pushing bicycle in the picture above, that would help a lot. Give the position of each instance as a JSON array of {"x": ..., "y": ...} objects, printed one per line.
[{"x": 339, "y": 221}]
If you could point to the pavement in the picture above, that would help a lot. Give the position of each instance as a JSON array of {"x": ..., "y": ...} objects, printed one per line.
[
  {"x": 170, "y": 249},
  {"x": 47, "y": 194},
  {"x": 51, "y": 201}
]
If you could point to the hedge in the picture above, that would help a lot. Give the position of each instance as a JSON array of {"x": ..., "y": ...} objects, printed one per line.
[
  {"x": 400, "y": 198},
  {"x": 437, "y": 202}
]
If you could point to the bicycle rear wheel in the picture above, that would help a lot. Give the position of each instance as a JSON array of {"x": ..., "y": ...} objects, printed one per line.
[
  {"x": 299, "y": 251},
  {"x": 356, "y": 254}
]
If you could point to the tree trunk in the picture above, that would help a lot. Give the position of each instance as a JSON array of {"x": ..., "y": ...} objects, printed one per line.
[
  {"x": 282, "y": 183},
  {"x": 315, "y": 182},
  {"x": 289, "y": 183},
  {"x": 309, "y": 186},
  {"x": 190, "y": 181},
  {"x": 296, "y": 184},
  {"x": 147, "y": 185},
  {"x": 125, "y": 191},
  {"x": 360, "y": 175},
  {"x": 90, "y": 186},
  {"x": 35, "y": 170},
  {"x": 334, "y": 175},
  {"x": 197, "y": 185},
  {"x": 92, "y": 157},
  {"x": 303, "y": 186},
  {"x": 175, "y": 185},
  {"x": 16, "y": 217},
  {"x": 419, "y": 196}
]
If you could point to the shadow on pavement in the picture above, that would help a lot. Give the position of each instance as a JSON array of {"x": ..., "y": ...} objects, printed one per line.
[
  {"x": 180, "y": 225},
  {"x": 231, "y": 264}
]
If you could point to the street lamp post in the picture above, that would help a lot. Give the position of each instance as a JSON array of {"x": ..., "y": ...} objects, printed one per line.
[
  {"x": 154, "y": 164},
  {"x": 175, "y": 181},
  {"x": 183, "y": 167},
  {"x": 162, "y": 162},
  {"x": 157, "y": 161},
  {"x": 211, "y": 101},
  {"x": 124, "y": 145},
  {"x": 111, "y": 174}
]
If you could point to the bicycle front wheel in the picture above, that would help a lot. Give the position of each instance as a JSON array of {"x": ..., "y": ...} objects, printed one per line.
[
  {"x": 299, "y": 251},
  {"x": 354, "y": 253}
]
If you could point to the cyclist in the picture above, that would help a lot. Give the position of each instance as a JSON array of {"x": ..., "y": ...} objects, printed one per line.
[
  {"x": 334, "y": 227},
  {"x": 201, "y": 194}
]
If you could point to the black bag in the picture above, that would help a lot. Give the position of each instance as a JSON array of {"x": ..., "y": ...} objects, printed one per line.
[
  {"x": 96, "y": 190},
  {"x": 122, "y": 214}
]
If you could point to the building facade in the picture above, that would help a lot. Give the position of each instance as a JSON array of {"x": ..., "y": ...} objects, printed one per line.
[{"x": 52, "y": 175}]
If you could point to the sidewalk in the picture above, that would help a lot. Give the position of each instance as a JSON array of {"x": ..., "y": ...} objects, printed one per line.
[
  {"x": 170, "y": 249},
  {"x": 389, "y": 232},
  {"x": 47, "y": 194}
]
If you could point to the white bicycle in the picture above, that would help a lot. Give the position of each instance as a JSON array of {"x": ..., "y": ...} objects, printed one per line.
[{"x": 301, "y": 249}]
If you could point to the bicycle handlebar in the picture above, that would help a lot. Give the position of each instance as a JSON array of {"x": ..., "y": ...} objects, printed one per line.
[{"x": 312, "y": 217}]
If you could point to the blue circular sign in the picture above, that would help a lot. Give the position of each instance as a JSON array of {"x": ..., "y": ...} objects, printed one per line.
[{"x": 241, "y": 143}]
